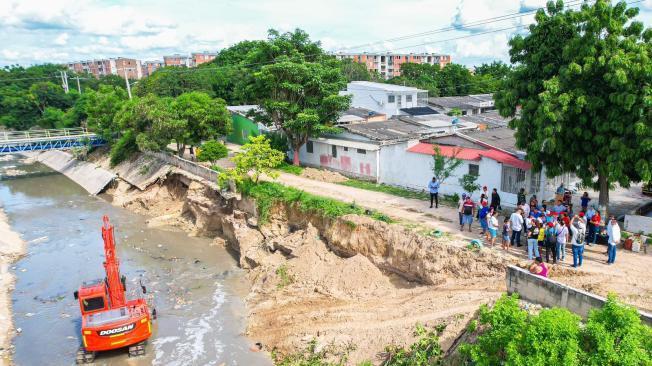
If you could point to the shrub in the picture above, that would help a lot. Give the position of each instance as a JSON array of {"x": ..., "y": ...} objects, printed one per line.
[
  {"x": 285, "y": 278},
  {"x": 278, "y": 141},
  {"x": 255, "y": 158},
  {"x": 124, "y": 148},
  {"x": 613, "y": 335},
  {"x": 425, "y": 351},
  {"x": 212, "y": 151}
]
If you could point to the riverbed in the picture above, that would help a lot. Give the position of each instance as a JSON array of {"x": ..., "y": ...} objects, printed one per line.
[{"x": 197, "y": 288}]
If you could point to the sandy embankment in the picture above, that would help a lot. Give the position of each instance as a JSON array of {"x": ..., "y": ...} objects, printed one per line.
[{"x": 12, "y": 247}]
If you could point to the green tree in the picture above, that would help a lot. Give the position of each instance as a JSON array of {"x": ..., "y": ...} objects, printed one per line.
[
  {"x": 496, "y": 69},
  {"x": 151, "y": 121},
  {"x": 173, "y": 81},
  {"x": 582, "y": 88},
  {"x": 356, "y": 71},
  {"x": 101, "y": 108},
  {"x": 443, "y": 166},
  {"x": 212, "y": 151},
  {"x": 52, "y": 118},
  {"x": 255, "y": 157},
  {"x": 205, "y": 119},
  {"x": 47, "y": 94},
  {"x": 301, "y": 98},
  {"x": 17, "y": 111},
  {"x": 469, "y": 183}
]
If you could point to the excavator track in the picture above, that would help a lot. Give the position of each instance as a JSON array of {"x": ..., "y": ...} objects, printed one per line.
[
  {"x": 137, "y": 349},
  {"x": 84, "y": 357}
]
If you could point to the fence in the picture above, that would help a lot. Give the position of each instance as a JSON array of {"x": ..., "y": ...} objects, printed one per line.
[
  {"x": 187, "y": 165},
  {"x": 551, "y": 293}
]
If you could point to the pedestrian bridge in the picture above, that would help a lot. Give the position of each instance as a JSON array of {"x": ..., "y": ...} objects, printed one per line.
[{"x": 38, "y": 140}]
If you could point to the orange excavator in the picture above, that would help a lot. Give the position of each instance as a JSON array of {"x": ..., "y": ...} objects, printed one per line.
[{"x": 109, "y": 320}]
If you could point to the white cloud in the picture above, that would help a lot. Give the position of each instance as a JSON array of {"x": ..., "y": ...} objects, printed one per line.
[
  {"x": 32, "y": 31},
  {"x": 62, "y": 39},
  {"x": 10, "y": 55}
]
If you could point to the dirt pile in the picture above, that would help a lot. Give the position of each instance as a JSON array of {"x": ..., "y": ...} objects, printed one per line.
[{"x": 323, "y": 175}]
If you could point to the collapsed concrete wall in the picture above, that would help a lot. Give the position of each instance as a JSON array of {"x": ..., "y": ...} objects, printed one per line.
[
  {"x": 92, "y": 178},
  {"x": 551, "y": 293}
]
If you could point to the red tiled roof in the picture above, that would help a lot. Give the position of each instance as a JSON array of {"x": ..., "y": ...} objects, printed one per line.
[
  {"x": 465, "y": 153},
  {"x": 448, "y": 151}
]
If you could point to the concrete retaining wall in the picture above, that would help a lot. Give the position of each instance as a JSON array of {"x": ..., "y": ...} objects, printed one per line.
[
  {"x": 637, "y": 223},
  {"x": 92, "y": 178},
  {"x": 551, "y": 293},
  {"x": 187, "y": 165}
]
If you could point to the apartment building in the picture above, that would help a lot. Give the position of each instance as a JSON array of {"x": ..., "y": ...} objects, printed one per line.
[
  {"x": 129, "y": 66},
  {"x": 388, "y": 64},
  {"x": 150, "y": 66},
  {"x": 177, "y": 60},
  {"x": 199, "y": 58},
  {"x": 111, "y": 66}
]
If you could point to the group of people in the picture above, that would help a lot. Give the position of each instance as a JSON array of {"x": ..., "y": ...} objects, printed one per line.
[{"x": 550, "y": 230}]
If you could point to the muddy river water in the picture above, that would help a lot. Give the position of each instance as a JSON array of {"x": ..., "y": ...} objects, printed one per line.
[{"x": 197, "y": 288}]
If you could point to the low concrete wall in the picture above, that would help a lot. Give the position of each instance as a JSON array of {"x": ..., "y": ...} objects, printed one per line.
[
  {"x": 92, "y": 178},
  {"x": 187, "y": 165},
  {"x": 551, "y": 293},
  {"x": 637, "y": 223}
]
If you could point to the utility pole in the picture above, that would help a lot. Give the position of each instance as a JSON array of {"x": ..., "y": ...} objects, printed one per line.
[
  {"x": 64, "y": 81},
  {"x": 127, "y": 82},
  {"x": 78, "y": 86}
]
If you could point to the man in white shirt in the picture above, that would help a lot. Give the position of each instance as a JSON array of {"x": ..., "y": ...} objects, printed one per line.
[
  {"x": 526, "y": 210},
  {"x": 516, "y": 223},
  {"x": 613, "y": 229}
]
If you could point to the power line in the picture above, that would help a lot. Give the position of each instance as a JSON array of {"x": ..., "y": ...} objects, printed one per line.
[{"x": 460, "y": 27}]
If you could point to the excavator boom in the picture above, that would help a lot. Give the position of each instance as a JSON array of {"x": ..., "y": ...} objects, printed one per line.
[{"x": 112, "y": 266}]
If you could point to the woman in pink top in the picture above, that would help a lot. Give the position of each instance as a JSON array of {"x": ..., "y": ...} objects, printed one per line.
[{"x": 539, "y": 268}]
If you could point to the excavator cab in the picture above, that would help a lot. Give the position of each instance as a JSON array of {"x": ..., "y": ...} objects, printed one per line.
[{"x": 92, "y": 297}]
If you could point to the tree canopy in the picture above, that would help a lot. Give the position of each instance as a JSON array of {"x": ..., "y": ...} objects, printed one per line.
[
  {"x": 580, "y": 95},
  {"x": 301, "y": 98}
]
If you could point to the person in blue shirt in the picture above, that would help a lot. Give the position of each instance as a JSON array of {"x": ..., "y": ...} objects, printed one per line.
[
  {"x": 584, "y": 201},
  {"x": 433, "y": 187}
]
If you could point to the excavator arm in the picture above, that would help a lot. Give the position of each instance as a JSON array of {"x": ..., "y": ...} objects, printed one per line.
[{"x": 112, "y": 266}]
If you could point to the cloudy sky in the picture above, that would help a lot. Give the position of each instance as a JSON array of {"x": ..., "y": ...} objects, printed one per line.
[{"x": 39, "y": 31}]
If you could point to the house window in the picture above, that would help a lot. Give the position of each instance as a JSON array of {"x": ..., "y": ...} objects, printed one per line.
[
  {"x": 309, "y": 147},
  {"x": 400, "y": 101},
  {"x": 474, "y": 169},
  {"x": 408, "y": 98},
  {"x": 362, "y": 151},
  {"x": 390, "y": 99},
  {"x": 513, "y": 179},
  {"x": 334, "y": 151},
  {"x": 346, "y": 148},
  {"x": 535, "y": 181}
]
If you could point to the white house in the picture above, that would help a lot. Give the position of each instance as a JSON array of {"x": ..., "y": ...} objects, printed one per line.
[
  {"x": 358, "y": 150},
  {"x": 383, "y": 98},
  {"x": 410, "y": 165},
  {"x": 467, "y": 104}
]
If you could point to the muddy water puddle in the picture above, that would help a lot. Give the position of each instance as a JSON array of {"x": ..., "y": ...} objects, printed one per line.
[{"x": 197, "y": 288}]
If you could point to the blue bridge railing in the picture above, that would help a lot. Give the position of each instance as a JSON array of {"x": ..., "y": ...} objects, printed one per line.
[{"x": 37, "y": 140}]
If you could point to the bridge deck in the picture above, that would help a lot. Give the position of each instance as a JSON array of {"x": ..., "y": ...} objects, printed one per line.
[{"x": 33, "y": 140}]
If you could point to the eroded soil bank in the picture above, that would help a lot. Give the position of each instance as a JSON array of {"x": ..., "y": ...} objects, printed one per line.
[{"x": 351, "y": 281}]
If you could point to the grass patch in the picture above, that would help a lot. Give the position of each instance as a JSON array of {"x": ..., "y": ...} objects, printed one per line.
[
  {"x": 289, "y": 168},
  {"x": 285, "y": 277},
  {"x": 395, "y": 191},
  {"x": 267, "y": 194},
  {"x": 218, "y": 169}
]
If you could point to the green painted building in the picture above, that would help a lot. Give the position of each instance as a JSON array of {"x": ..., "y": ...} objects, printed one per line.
[{"x": 243, "y": 126}]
